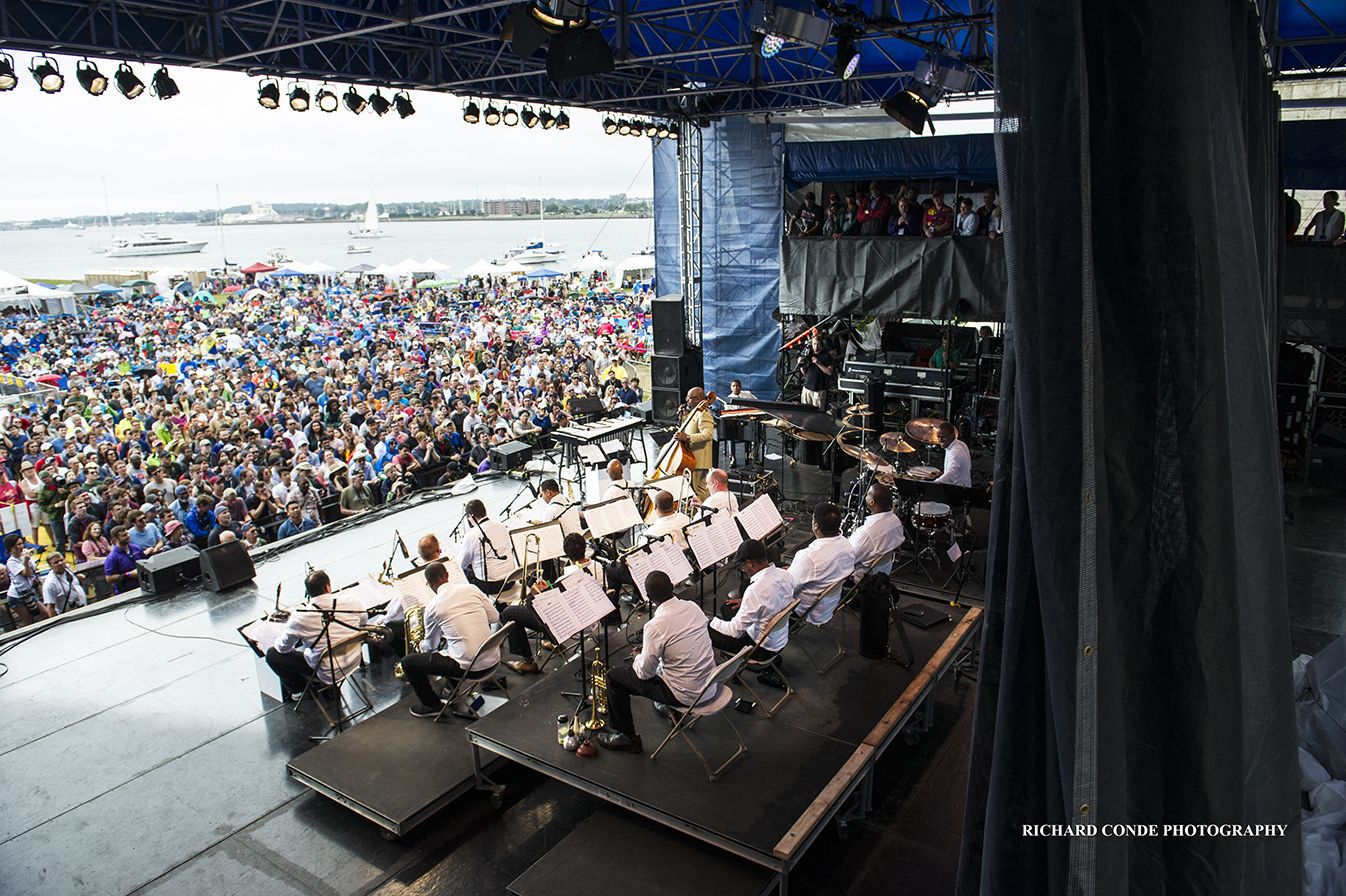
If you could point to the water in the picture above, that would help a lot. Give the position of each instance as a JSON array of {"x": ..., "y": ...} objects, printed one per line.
[{"x": 63, "y": 255}]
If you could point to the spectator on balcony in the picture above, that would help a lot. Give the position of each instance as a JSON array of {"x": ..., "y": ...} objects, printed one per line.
[
  {"x": 905, "y": 221},
  {"x": 938, "y": 217},
  {"x": 1326, "y": 224},
  {"x": 987, "y": 212},
  {"x": 968, "y": 221},
  {"x": 993, "y": 226},
  {"x": 874, "y": 211},
  {"x": 832, "y": 216},
  {"x": 808, "y": 221}
]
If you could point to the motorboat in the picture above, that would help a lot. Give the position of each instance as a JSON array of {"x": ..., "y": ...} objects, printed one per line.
[
  {"x": 149, "y": 243},
  {"x": 353, "y": 249},
  {"x": 371, "y": 229}
]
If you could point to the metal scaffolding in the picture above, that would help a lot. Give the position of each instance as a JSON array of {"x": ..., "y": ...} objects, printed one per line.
[{"x": 690, "y": 207}]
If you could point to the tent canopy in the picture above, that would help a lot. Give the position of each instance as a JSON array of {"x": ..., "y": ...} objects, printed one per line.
[
  {"x": 966, "y": 157},
  {"x": 258, "y": 267},
  {"x": 482, "y": 268}
]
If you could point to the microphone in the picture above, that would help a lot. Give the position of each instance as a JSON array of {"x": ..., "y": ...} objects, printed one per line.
[
  {"x": 279, "y": 615},
  {"x": 405, "y": 554}
]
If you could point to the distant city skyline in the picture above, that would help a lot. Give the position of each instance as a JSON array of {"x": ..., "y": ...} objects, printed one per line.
[{"x": 170, "y": 155}]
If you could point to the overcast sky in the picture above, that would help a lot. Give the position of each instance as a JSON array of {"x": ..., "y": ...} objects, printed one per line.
[{"x": 161, "y": 155}]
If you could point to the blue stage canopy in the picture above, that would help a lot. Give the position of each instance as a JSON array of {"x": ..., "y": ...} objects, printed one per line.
[{"x": 966, "y": 157}]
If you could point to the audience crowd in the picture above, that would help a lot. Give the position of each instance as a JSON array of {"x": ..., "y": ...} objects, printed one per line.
[{"x": 873, "y": 212}]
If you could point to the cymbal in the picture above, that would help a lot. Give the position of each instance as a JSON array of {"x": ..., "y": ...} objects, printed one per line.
[
  {"x": 870, "y": 458},
  {"x": 857, "y": 408},
  {"x": 926, "y": 430},
  {"x": 893, "y": 441}
]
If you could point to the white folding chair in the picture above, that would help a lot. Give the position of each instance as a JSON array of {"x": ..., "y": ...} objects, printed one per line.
[
  {"x": 344, "y": 658},
  {"x": 715, "y": 695},
  {"x": 755, "y": 665},
  {"x": 458, "y": 687},
  {"x": 828, "y": 592}
]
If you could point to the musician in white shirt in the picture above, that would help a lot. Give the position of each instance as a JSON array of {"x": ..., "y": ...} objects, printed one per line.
[
  {"x": 735, "y": 427},
  {"x": 882, "y": 532},
  {"x": 617, "y": 484},
  {"x": 457, "y": 622},
  {"x": 485, "y": 557},
  {"x": 553, "y": 504},
  {"x": 828, "y": 560},
  {"x": 394, "y": 615},
  {"x": 957, "y": 457},
  {"x": 769, "y": 591},
  {"x": 300, "y": 646},
  {"x": 720, "y": 497},
  {"x": 668, "y": 520}
]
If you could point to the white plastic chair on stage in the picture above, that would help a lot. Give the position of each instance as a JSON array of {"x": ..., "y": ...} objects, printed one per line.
[{"x": 715, "y": 696}]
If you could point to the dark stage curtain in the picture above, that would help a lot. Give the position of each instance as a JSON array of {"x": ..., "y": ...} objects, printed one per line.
[{"x": 1135, "y": 667}]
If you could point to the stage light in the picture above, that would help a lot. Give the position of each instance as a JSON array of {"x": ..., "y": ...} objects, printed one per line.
[
  {"x": 47, "y": 76},
  {"x": 471, "y": 113},
  {"x": 673, "y": 130},
  {"x": 127, "y": 83},
  {"x": 560, "y": 15},
  {"x": 651, "y": 129},
  {"x": 492, "y": 115},
  {"x": 796, "y": 20},
  {"x": 663, "y": 131},
  {"x": 909, "y": 109},
  {"x": 299, "y": 99},
  {"x": 624, "y": 128},
  {"x": 88, "y": 76},
  {"x": 403, "y": 104},
  {"x": 163, "y": 85},
  {"x": 8, "y": 80},
  {"x": 529, "y": 117},
  {"x": 563, "y": 121},
  {"x": 354, "y": 101},
  {"x": 609, "y": 126},
  {"x": 268, "y": 95},
  {"x": 327, "y": 100},
  {"x": 847, "y": 60},
  {"x": 766, "y": 45},
  {"x": 511, "y": 116},
  {"x": 548, "y": 120},
  {"x": 379, "y": 103}
]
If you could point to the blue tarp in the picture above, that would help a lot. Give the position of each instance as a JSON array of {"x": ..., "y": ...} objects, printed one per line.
[
  {"x": 1313, "y": 154},
  {"x": 966, "y": 157}
]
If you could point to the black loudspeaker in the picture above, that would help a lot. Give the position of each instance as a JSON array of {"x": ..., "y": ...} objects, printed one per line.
[
  {"x": 226, "y": 565},
  {"x": 168, "y": 570},
  {"x": 875, "y": 604},
  {"x": 578, "y": 52},
  {"x": 670, "y": 378},
  {"x": 511, "y": 456},
  {"x": 668, "y": 322}
]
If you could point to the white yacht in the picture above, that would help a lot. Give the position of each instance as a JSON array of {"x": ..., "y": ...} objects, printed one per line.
[
  {"x": 371, "y": 229},
  {"x": 149, "y": 243}
]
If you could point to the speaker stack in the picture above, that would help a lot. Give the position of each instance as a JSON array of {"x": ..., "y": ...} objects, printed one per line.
[
  {"x": 674, "y": 367},
  {"x": 226, "y": 565},
  {"x": 169, "y": 569}
]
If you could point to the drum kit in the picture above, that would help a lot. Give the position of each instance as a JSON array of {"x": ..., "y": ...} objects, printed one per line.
[{"x": 901, "y": 454}]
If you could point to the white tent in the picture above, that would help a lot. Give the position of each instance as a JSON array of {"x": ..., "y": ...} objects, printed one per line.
[
  {"x": 635, "y": 264},
  {"x": 384, "y": 270},
  {"x": 317, "y": 268},
  {"x": 594, "y": 261},
  {"x": 482, "y": 268},
  {"x": 409, "y": 266},
  {"x": 10, "y": 283},
  {"x": 436, "y": 267}
]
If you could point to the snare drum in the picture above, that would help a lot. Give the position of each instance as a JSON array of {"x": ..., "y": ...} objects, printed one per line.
[
  {"x": 932, "y": 516},
  {"x": 922, "y": 473}
]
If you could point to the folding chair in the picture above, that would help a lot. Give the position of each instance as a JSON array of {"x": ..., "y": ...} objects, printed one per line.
[
  {"x": 715, "y": 696},
  {"x": 780, "y": 619},
  {"x": 829, "y": 591},
  {"x": 457, "y": 689},
  {"x": 344, "y": 657}
]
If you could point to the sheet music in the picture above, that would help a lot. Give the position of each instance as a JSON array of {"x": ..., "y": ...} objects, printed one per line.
[
  {"x": 713, "y": 538},
  {"x": 570, "y": 520},
  {"x": 664, "y": 556},
  {"x": 415, "y": 590},
  {"x": 575, "y": 604},
  {"x": 262, "y": 634},
  {"x": 760, "y": 518},
  {"x": 613, "y": 447},
  {"x": 675, "y": 485},
  {"x": 616, "y": 515},
  {"x": 531, "y": 513},
  {"x": 592, "y": 454},
  {"x": 370, "y": 593},
  {"x": 552, "y": 542}
]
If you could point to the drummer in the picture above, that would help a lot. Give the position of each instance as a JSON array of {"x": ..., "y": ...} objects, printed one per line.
[{"x": 957, "y": 458}]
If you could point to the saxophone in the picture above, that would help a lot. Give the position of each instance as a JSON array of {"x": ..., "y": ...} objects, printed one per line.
[
  {"x": 598, "y": 675},
  {"x": 415, "y": 629}
]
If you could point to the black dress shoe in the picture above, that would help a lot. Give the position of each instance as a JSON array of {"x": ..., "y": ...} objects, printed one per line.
[
  {"x": 615, "y": 740},
  {"x": 771, "y": 679},
  {"x": 421, "y": 711},
  {"x": 666, "y": 712}
]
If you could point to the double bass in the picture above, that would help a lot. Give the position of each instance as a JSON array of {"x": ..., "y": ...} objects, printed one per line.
[{"x": 675, "y": 458}]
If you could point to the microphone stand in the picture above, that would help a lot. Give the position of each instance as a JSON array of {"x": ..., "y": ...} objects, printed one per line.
[
  {"x": 457, "y": 528},
  {"x": 527, "y": 485}
]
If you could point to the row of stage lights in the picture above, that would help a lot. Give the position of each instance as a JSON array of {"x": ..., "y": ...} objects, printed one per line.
[
  {"x": 661, "y": 129},
  {"x": 268, "y": 97},
  {"x": 50, "y": 80},
  {"x": 510, "y": 117}
]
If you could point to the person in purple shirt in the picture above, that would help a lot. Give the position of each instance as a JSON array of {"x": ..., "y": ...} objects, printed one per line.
[{"x": 120, "y": 566}]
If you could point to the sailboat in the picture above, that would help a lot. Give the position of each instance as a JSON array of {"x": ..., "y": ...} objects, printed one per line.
[
  {"x": 371, "y": 228},
  {"x": 537, "y": 253}
]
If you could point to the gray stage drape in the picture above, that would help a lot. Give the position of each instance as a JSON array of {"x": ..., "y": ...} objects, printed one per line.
[{"x": 1136, "y": 657}]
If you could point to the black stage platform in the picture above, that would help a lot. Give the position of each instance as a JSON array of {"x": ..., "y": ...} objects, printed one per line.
[{"x": 802, "y": 764}]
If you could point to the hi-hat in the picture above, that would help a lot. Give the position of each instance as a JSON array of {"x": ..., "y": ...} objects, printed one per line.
[
  {"x": 926, "y": 430},
  {"x": 893, "y": 441},
  {"x": 872, "y": 459},
  {"x": 857, "y": 408}
]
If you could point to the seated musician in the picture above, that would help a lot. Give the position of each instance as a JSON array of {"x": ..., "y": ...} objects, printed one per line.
[
  {"x": 957, "y": 457},
  {"x": 882, "y": 532},
  {"x": 770, "y": 590},
  {"x": 394, "y": 615},
  {"x": 617, "y": 484},
  {"x": 526, "y": 619},
  {"x": 826, "y": 561},
  {"x": 733, "y": 429},
  {"x": 553, "y": 504},
  {"x": 672, "y": 666},
  {"x": 486, "y": 558},
  {"x": 720, "y": 497},
  {"x": 668, "y": 520},
  {"x": 457, "y": 621},
  {"x": 302, "y": 643}
]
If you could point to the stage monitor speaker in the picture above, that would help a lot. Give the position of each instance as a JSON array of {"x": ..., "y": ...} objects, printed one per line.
[
  {"x": 670, "y": 378},
  {"x": 666, "y": 316},
  {"x": 226, "y": 565},
  {"x": 511, "y": 456},
  {"x": 578, "y": 52},
  {"x": 169, "y": 570}
]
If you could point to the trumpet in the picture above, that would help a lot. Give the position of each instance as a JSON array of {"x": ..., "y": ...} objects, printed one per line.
[
  {"x": 598, "y": 675},
  {"x": 415, "y": 629}
]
